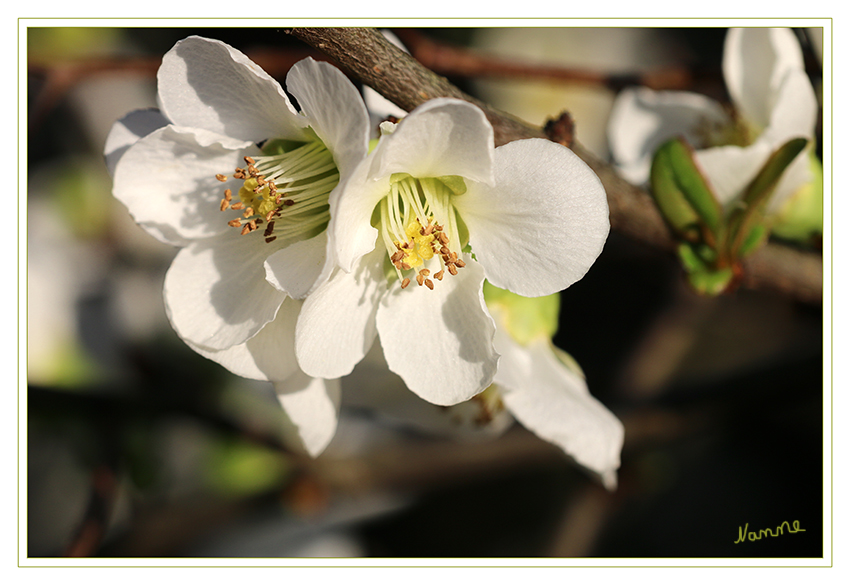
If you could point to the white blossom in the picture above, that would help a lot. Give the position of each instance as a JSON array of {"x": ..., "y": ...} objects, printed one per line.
[{"x": 243, "y": 183}]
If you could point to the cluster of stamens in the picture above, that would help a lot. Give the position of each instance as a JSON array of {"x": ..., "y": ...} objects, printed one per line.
[
  {"x": 431, "y": 238},
  {"x": 250, "y": 219},
  {"x": 307, "y": 174},
  {"x": 411, "y": 233}
]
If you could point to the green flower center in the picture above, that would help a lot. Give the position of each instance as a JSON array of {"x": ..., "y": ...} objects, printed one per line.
[
  {"x": 286, "y": 189},
  {"x": 420, "y": 228}
]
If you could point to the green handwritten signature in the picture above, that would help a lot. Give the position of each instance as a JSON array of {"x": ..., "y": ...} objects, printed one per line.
[{"x": 745, "y": 534}]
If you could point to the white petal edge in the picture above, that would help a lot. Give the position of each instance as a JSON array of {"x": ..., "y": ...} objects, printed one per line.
[
  {"x": 300, "y": 267},
  {"x": 167, "y": 181},
  {"x": 351, "y": 215},
  {"x": 337, "y": 323},
  {"x": 755, "y": 61},
  {"x": 269, "y": 355},
  {"x": 311, "y": 406},
  {"x": 642, "y": 120},
  {"x": 127, "y": 131},
  {"x": 216, "y": 294},
  {"x": 795, "y": 112},
  {"x": 334, "y": 109},
  {"x": 205, "y": 83},
  {"x": 443, "y": 136},
  {"x": 554, "y": 403},
  {"x": 543, "y": 224},
  {"x": 440, "y": 341}
]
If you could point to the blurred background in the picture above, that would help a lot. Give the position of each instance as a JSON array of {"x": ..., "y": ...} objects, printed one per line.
[{"x": 138, "y": 447}]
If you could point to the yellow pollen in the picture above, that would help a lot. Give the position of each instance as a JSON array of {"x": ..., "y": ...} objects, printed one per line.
[
  {"x": 420, "y": 227},
  {"x": 290, "y": 183}
]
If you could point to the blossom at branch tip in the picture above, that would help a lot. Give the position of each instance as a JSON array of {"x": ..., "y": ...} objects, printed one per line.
[
  {"x": 772, "y": 102},
  {"x": 426, "y": 217},
  {"x": 243, "y": 182}
]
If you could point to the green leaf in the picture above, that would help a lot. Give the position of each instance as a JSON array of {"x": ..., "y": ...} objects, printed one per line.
[
  {"x": 748, "y": 212},
  {"x": 682, "y": 194}
]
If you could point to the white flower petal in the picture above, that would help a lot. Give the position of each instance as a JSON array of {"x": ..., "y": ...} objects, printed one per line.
[
  {"x": 216, "y": 294},
  {"x": 269, "y": 355},
  {"x": 555, "y": 404},
  {"x": 312, "y": 406},
  {"x": 337, "y": 323},
  {"x": 334, "y": 109},
  {"x": 729, "y": 169},
  {"x": 351, "y": 216},
  {"x": 441, "y": 137},
  {"x": 440, "y": 341},
  {"x": 127, "y": 131},
  {"x": 167, "y": 181},
  {"x": 642, "y": 120},
  {"x": 542, "y": 225},
  {"x": 299, "y": 268},
  {"x": 795, "y": 111},
  {"x": 755, "y": 61},
  {"x": 205, "y": 83}
]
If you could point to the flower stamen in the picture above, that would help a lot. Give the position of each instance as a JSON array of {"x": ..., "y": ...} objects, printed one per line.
[
  {"x": 413, "y": 236},
  {"x": 304, "y": 174}
]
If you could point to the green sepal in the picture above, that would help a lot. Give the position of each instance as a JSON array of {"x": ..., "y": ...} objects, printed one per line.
[
  {"x": 525, "y": 318},
  {"x": 753, "y": 240},
  {"x": 748, "y": 212},
  {"x": 696, "y": 257},
  {"x": 682, "y": 194},
  {"x": 704, "y": 276}
]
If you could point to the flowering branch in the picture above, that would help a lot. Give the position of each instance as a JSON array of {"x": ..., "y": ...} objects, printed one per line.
[{"x": 369, "y": 57}]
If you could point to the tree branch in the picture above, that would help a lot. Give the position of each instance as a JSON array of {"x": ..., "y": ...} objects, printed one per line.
[{"x": 373, "y": 60}]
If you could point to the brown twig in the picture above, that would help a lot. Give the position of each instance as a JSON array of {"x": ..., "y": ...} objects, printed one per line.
[{"x": 369, "y": 57}]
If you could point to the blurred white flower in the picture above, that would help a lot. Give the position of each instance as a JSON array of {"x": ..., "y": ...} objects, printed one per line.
[
  {"x": 433, "y": 211},
  {"x": 253, "y": 241},
  {"x": 546, "y": 392},
  {"x": 773, "y": 102}
]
